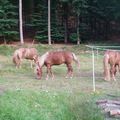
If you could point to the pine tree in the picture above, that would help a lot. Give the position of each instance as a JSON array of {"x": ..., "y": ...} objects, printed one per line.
[
  {"x": 8, "y": 20},
  {"x": 40, "y": 22}
]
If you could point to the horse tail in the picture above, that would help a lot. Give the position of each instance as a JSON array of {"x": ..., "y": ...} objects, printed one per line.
[
  {"x": 76, "y": 60},
  {"x": 16, "y": 58},
  {"x": 106, "y": 67}
]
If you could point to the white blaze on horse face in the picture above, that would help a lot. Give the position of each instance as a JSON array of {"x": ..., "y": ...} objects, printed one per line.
[{"x": 42, "y": 59}]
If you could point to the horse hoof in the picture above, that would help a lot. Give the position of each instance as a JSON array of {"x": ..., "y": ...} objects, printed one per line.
[
  {"x": 107, "y": 79},
  {"x": 38, "y": 78}
]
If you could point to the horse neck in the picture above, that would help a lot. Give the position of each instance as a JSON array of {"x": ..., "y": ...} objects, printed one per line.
[{"x": 42, "y": 59}]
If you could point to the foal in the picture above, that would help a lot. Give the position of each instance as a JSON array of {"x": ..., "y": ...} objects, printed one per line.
[
  {"x": 111, "y": 61},
  {"x": 56, "y": 58},
  {"x": 24, "y": 53}
]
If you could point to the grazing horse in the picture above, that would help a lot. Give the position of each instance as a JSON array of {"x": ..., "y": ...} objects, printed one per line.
[
  {"x": 111, "y": 61},
  {"x": 24, "y": 53},
  {"x": 56, "y": 58}
]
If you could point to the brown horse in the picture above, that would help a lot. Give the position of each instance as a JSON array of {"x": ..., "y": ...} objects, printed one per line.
[
  {"x": 56, "y": 58},
  {"x": 24, "y": 53},
  {"x": 111, "y": 61}
]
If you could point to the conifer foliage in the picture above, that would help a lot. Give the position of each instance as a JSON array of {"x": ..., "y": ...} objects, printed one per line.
[
  {"x": 8, "y": 20},
  {"x": 40, "y": 22},
  {"x": 70, "y": 20}
]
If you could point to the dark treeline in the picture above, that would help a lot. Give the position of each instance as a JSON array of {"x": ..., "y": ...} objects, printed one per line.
[{"x": 73, "y": 21}]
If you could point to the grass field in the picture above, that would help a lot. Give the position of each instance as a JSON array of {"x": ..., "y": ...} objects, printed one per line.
[{"x": 22, "y": 97}]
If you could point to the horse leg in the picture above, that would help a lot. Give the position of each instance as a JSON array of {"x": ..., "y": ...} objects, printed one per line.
[
  {"x": 106, "y": 67},
  {"x": 70, "y": 71},
  {"x": 119, "y": 67},
  {"x": 18, "y": 65},
  {"x": 31, "y": 63},
  {"x": 67, "y": 72},
  {"x": 113, "y": 72},
  {"x": 107, "y": 75},
  {"x": 49, "y": 72}
]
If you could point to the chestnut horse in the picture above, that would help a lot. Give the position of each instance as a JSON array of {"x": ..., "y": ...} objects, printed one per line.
[
  {"x": 111, "y": 61},
  {"x": 24, "y": 53},
  {"x": 56, "y": 58}
]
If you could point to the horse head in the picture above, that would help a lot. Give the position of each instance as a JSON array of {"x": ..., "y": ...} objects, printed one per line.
[{"x": 38, "y": 71}]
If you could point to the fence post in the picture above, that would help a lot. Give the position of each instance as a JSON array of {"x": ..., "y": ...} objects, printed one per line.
[
  {"x": 93, "y": 66},
  {"x": 97, "y": 53}
]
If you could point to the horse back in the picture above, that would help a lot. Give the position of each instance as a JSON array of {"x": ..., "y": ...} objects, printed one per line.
[
  {"x": 59, "y": 57},
  {"x": 30, "y": 53}
]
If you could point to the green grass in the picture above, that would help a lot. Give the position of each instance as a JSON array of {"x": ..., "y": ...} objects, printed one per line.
[
  {"x": 6, "y": 50},
  {"x": 47, "y": 105},
  {"x": 23, "y": 97}
]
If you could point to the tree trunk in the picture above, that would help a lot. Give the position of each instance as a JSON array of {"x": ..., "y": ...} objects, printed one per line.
[
  {"x": 66, "y": 22},
  {"x": 20, "y": 22},
  {"x": 66, "y": 31},
  {"x": 78, "y": 33},
  {"x": 49, "y": 25},
  {"x": 31, "y": 8},
  {"x": 5, "y": 42}
]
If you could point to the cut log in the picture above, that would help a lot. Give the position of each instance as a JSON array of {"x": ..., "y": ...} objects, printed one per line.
[
  {"x": 101, "y": 102},
  {"x": 108, "y": 101},
  {"x": 114, "y": 112},
  {"x": 114, "y": 102}
]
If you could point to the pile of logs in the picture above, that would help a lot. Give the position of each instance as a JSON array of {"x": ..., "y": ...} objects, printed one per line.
[{"x": 110, "y": 106}]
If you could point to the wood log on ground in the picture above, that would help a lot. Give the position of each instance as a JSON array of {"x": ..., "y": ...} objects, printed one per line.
[
  {"x": 101, "y": 102},
  {"x": 115, "y": 112},
  {"x": 108, "y": 101}
]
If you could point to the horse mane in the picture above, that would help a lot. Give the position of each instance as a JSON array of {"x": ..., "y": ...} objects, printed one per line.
[{"x": 42, "y": 59}]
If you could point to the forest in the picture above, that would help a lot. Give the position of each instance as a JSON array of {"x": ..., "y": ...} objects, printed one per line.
[{"x": 71, "y": 21}]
